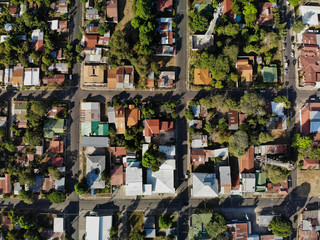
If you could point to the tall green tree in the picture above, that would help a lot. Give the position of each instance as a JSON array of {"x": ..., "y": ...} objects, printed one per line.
[
  {"x": 238, "y": 143},
  {"x": 281, "y": 226},
  {"x": 252, "y": 104},
  {"x": 216, "y": 226}
]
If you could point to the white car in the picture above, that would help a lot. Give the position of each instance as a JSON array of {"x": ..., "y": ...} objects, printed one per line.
[
  {"x": 286, "y": 65},
  {"x": 292, "y": 54},
  {"x": 292, "y": 46},
  {"x": 286, "y": 71}
]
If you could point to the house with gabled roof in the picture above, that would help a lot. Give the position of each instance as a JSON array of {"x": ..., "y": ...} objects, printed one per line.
[
  {"x": 89, "y": 111},
  {"x": 238, "y": 230},
  {"x": 19, "y": 110},
  {"x": 95, "y": 167},
  {"x": 112, "y": 10},
  {"x": 151, "y": 128},
  {"x": 225, "y": 179},
  {"x": 265, "y": 10},
  {"x": 202, "y": 76},
  {"x": 121, "y": 77},
  {"x": 246, "y": 162},
  {"x": 199, "y": 141},
  {"x": 120, "y": 120},
  {"x": 132, "y": 116},
  {"x": 92, "y": 14},
  {"x": 117, "y": 176},
  {"x": 37, "y": 40},
  {"x": 57, "y": 79},
  {"x": 165, "y": 5},
  {"x": 17, "y": 76},
  {"x": 204, "y": 185},
  {"x": 53, "y": 127},
  {"x": 310, "y": 164},
  {"x": 5, "y": 184},
  {"x": 245, "y": 69},
  {"x": 233, "y": 119}
]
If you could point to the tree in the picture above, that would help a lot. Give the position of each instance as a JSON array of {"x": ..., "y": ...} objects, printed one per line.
[
  {"x": 265, "y": 137},
  {"x": 188, "y": 114},
  {"x": 198, "y": 22},
  {"x": 32, "y": 138},
  {"x": 218, "y": 101},
  {"x": 143, "y": 9},
  {"x": 252, "y": 104},
  {"x": 55, "y": 173},
  {"x": 270, "y": 41},
  {"x": 238, "y": 143},
  {"x": 27, "y": 177},
  {"x": 294, "y": 2},
  {"x": 2, "y": 131},
  {"x": 231, "y": 52},
  {"x": 274, "y": 173},
  {"x": 281, "y": 226},
  {"x": 113, "y": 232},
  {"x": 231, "y": 30},
  {"x": 284, "y": 100},
  {"x": 231, "y": 104},
  {"x": 216, "y": 226},
  {"x": 137, "y": 235},
  {"x": 25, "y": 222},
  {"x": 147, "y": 111},
  {"x": 47, "y": 59},
  {"x": 79, "y": 48},
  {"x": 10, "y": 146},
  {"x": 153, "y": 158},
  {"x": 119, "y": 47},
  {"x": 81, "y": 187},
  {"x": 298, "y": 26},
  {"x": 39, "y": 108},
  {"x": 136, "y": 22},
  {"x": 250, "y": 14},
  {"x": 301, "y": 142},
  {"x": 103, "y": 28},
  {"x": 27, "y": 197},
  {"x": 57, "y": 197},
  {"x": 165, "y": 221},
  {"x": 209, "y": 127}
]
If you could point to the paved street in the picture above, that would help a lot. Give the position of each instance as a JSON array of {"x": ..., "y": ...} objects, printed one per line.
[{"x": 182, "y": 202}]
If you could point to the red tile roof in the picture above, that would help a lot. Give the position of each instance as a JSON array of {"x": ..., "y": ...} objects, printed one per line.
[
  {"x": 308, "y": 235},
  {"x": 118, "y": 151},
  {"x": 151, "y": 127},
  {"x": 90, "y": 41},
  {"x": 38, "y": 45},
  {"x": 246, "y": 163},
  {"x": 227, "y": 7},
  {"x": 163, "y": 5},
  {"x": 5, "y": 184},
  {"x": 57, "y": 161},
  {"x": 233, "y": 117},
  {"x": 310, "y": 163},
  {"x": 237, "y": 231},
  {"x": 281, "y": 188},
  {"x": 6, "y": 223},
  {"x": 55, "y": 111},
  {"x": 166, "y": 125},
  {"x": 266, "y": 14},
  {"x": 277, "y": 149},
  {"x": 305, "y": 116},
  {"x": 56, "y": 79},
  {"x": 117, "y": 176},
  {"x": 48, "y": 184},
  {"x": 112, "y": 10},
  {"x": 198, "y": 156},
  {"x": 56, "y": 146}
]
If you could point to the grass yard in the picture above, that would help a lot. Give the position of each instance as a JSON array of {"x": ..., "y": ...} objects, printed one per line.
[
  {"x": 128, "y": 15},
  {"x": 306, "y": 177},
  {"x": 135, "y": 222}
]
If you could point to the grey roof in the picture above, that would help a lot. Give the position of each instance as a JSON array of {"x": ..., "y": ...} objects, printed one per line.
[
  {"x": 204, "y": 185},
  {"x": 111, "y": 115},
  {"x": 95, "y": 142},
  {"x": 225, "y": 175},
  {"x": 248, "y": 182},
  {"x": 95, "y": 166}
]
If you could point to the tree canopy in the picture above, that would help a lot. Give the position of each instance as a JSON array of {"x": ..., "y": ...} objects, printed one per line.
[
  {"x": 165, "y": 221},
  {"x": 57, "y": 197},
  {"x": 274, "y": 173},
  {"x": 153, "y": 158},
  {"x": 281, "y": 226},
  {"x": 298, "y": 26},
  {"x": 252, "y": 104},
  {"x": 81, "y": 187},
  {"x": 216, "y": 226},
  {"x": 238, "y": 143}
]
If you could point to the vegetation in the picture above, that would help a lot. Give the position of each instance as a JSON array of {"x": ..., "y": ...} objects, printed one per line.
[
  {"x": 274, "y": 173},
  {"x": 252, "y": 104},
  {"x": 298, "y": 26},
  {"x": 281, "y": 226},
  {"x": 165, "y": 221},
  {"x": 217, "y": 226},
  {"x": 265, "y": 137},
  {"x": 27, "y": 197},
  {"x": 284, "y": 100},
  {"x": 153, "y": 158},
  {"x": 57, "y": 197},
  {"x": 81, "y": 187},
  {"x": 238, "y": 143}
]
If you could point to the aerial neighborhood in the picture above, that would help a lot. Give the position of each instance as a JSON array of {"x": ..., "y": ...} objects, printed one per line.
[{"x": 159, "y": 119}]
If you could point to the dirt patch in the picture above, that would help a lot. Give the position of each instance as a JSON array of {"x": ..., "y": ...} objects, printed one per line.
[
  {"x": 279, "y": 136},
  {"x": 128, "y": 14},
  {"x": 308, "y": 183},
  {"x": 135, "y": 222}
]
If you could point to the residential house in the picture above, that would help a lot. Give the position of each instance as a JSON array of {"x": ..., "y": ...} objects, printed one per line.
[
  {"x": 89, "y": 111},
  {"x": 199, "y": 111},
  {"x": 57, "y": 79},
  {"x": 8, "y": 76},
  {"x": 112, "y": 10},
  {"x": 59, "y": 67},
  {"x": 132, "y": 116},
  {"x": 199, "y": 141},
  {"x": 37, "y": 40},
  {"x": 95, "y": 166},
  {"x": 245, "y": 69},
  {"x": 31, "y": 77},
  {"x": 150, "y": 80},
  {"x": 280, "y": 188},
  {"x": 92, "y": 28},
  {"x": 204, "y": 185},
  {"x": 62, "y": 7},
  {"x": 19, "y": 109},
  {"x": 3, "y": 121},
  {"x": 166, "y": 51},
  {"x": 201, "y": 156},
  {"x": 165, "y": 5},
  {"x": 149, "y": 225},
  {"x": 310, "y": 163},
  {"x": 310, "y": 57},
  {"x": 17, "y": 77},
  {"x": 56, "y": 145},
  {"x": 37, "y": 186},
  {"x": 54, "y": 24},
  {"x": 104, "y": 40},
  {"x": 225, "y": 179},
  {"x": 120, "y": 120},
  {"x": 248, "y": 182},
  {"x": 57, "y": 161},
  {"x": 16, "y": 188},
  {"x": 279, "y": 122},
  {"x": 310, "y": 225},
  {"x": 162, "y": 181},
  {"x": 90, "y": 41},
  {"x": 170, "y": 151},
  {"x": 134, "y": 180},
  {"x": 227, "y": 8},
  {"x": 94, "y": 128},
  {"x": 118, "y": 151},
  {"x": 270, "y": 74},
  {"x": 5, "y": 184},
  {"x": 92, "y": 14},
  {"x": 309, "y": 118},
  {"x": 58, "y": 228},
  {"x": 117, "y": 176},
  {"x": 238, "y": 230},
  {"x": 151, "y": 128},
  {"x": 48, "y": 184},
  {"x": 197, "y": 225},
  {"x": 266, "y": 150},
  {"x": 310, "y": 14},
  {"x": 167, "y": 37},
  {"x": 96, "y": 142},
  {"x": 14, "y": 10},
  {"x": 166, "y": 79},
  {"x": 202, "y": 76},
  {"x": 121, "y": 77},
  {"x": 197, "y": 124},
  {"x": 233, "y": 119},
  {"x": 265, "y": 14},
  {"x": 246, "y": 162},
  {"x": 56, "y": 112},
  {"x": 98, "y": 227},
  {"x": 53, "y": 127},
  {"x": 93, "y": 75},
  {"x": 95, "y": 55},
  {"x": 63, "y": 26}
]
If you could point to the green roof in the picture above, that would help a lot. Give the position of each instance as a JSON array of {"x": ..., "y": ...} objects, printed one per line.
[
  {"x": 270, "y": 74},
  {"x": 52, "y": 127},
  {"x": 198, "y": 222},
  {"x": 261, "y": 182},
  {"x": 94, "y": 128}
]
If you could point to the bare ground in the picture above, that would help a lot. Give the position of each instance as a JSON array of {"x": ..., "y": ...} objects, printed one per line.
[
  {"x": 128, "y": 14},
  {"x": 308, "y": 183}
]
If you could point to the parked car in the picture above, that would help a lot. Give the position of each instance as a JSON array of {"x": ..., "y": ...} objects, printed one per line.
[
  {"x": 292, "y": 54},
  {"x": 286, "y": 65},
  {"x": 286, "y": 71},
  {"x": 294, "y": 61},
  {"x": 70, "y": 76},
  {"x": 292, "y": 46},
  {"x": 284, "y": 45},
  {"x": 285, "y": 58}
]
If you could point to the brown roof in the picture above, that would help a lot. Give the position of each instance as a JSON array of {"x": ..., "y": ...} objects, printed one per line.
[
  {"x": 309, "y": 39},
  {"x": 245, "y": 69},
  {"x": 120, "y": 119},
  {"x": 124, "y": 70},
  {"x": 242, "y": 118},
  {"x": 103, "y": 40},
  {"x": 163, "y": 5},
  {"x": 277, "y": 149},
  {"x": 17, "y": 76},
  {"x": 118, "y": 151},
  {"x": 169, "y": 36},
  {"x": 5, "y": 184},
  {"x": 266, "y": 14},
  {"x": 112, "y": 78},
  {"x": 227, "y": 7},
  {"x": 310, "y": 163},
  {"x": 305, "y": 116},
  {"x": 198, "y": 156},
  {"x": 307, "y": 235},
  {"x": 150, "y": 83},
  {"x": 6, "y": 222},
  {"x": 233, "y": 118},
  {"x": 281, "y": 188},
  {"x": 92, "y": 29},
  {"x": 57, "y": 161},
  {"x": 246, "y": 163},
  {"x": 38, "y": 45},
  {"x": 132, "y": 116},
  {"x": 63, "y": 26},
  {"x": 93, "y": 74},
  {"x": 152, "y": 126},
  {"x": 201, "y": 77},
  {"x": 227, "y": 188},
  {"x": 56, "y": 79},
  {"x": 117, "y": 176},
  {"x": 55, "y": 111},
  {"x": 48, "y": 184},
  {"x": 166, "y": 125},
  {"x": 237, "y": 231},
  {"x": 56, "y": 146},
  {"x": 112, "y": 10},
  {"x": 90, "y": 41},
  {"x": 61, "y": 54},
  {"x": 13, "y": 9}
]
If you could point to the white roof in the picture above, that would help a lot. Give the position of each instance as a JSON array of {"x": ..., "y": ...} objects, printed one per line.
[
  {"x": 31, "y": 77},
  {"x": 204, "y": 185},
  {"x": 36, "y": 35},
  {"x": 310, "y": 14},
  {"x": 199, "y": 141},
  {"x": 98, "y": 227},
  {"x": 58, "y": 225},
  {"x": 145, "y": 148},
  {"x": 8, "y": 27},
  {"x": 54, "y": 24},
  {"x": 3, "y": 38},
  {"x": 221, "y": 152},
  {"x": 264, "y": 220},
  {"x": 225, "y": 175},
  {"x": 170, "y": 151},
  {"x": 248, "y": 182},
  {"x": 111, "y": 115},
  {"x": 277, "y": 108},
  {"x": 16, "y": 188},
  {"x": 90, "y": 106},
  {"x": 134, "y": 179},
  {"x": 162, "y": 181}
]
